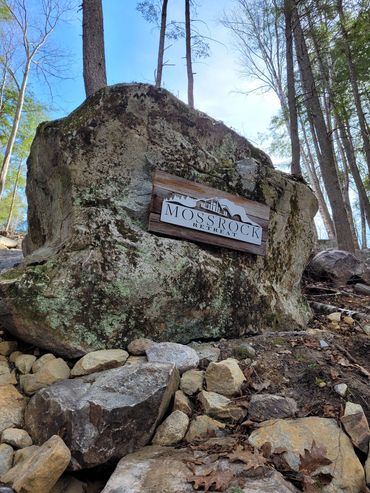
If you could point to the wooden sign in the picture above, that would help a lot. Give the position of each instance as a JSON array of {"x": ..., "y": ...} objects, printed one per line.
[{"x": 196, "y": 212}]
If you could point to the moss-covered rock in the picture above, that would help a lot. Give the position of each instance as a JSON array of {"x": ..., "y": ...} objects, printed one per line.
[{"x": 94, "y": 278}]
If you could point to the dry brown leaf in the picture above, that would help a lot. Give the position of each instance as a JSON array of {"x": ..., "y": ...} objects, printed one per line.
[
  {"x": 312, "y": 459},
  {"x": 221, "y": 480},
  {"x": 253, "y": 460},
  {"x": 329, "y": 411}
]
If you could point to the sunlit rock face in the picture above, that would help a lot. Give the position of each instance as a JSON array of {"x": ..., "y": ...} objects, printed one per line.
[{"x": 95, "y": 278}]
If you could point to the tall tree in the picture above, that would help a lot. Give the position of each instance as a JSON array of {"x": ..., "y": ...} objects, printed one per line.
[
  {"x": 94, "y": 70},
  {"x": 31, "y": 34},
  {"x": 354, "y": 83},
  {"x": 328, "y": 164},
  {"x": 292, "y": 104},
  {"x": 189, "y": 61},
  {"x": 162, "y": 38}
]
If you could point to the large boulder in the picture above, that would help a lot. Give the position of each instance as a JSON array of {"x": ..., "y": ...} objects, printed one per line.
[
  {"x": 94, "y": 278},
  {"x": 103, "y": 416},
  {"x": 337, "y": 266}
]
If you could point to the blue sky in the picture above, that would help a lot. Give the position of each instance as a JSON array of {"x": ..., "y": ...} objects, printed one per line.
[{"x": 131, "y": 51}]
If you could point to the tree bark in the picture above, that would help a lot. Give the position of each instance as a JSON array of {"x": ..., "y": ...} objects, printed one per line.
[
  {"x": 11, "y": 210},
  {"x": 189, "y": 62},
  {"x": 292, "y": 104},
  {"x": 363, "y": 227},
  {"x": 94, "y": 71},
  {"x": 354, "y": 84},
  {"x": 314, "y": 180},
  {"x": 162, "y": 38},
  {"x": 14, "y": 130},
  {"x": 327, "y": 164}
]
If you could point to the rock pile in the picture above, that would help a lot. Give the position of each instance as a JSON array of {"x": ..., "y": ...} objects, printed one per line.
[{"x": 175, "y": 423}]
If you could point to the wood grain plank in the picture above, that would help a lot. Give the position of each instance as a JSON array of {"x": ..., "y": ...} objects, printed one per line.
[{"x": 198, "y": 190}]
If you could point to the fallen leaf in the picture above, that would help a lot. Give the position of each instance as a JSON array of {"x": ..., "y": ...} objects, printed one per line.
[
  {"x": 329, "y": 411},
  {"x": 221, "y": 480},
  {"x": 253, "y": 460},
  {"x": 312, "y": 459}
]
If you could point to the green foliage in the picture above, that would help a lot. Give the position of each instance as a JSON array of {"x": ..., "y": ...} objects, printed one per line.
[{"x": 33, "y": 114}]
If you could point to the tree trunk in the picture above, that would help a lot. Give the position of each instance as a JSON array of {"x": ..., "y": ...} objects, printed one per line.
[
  {"x": 352, "y": 163},
  {"x": 162, "y": 38},
  {"x": 189, "y": 63},
  {"x": 292, "y": 104},
  {"x": 314, "y": 180},
  {"x": 14, "y": 130},
  {"x": 354, "y": 84},
  {"x": 327, "y": 164},
  {"x": 94, "y": 70},
  {"x": 363, "y": 227},
  {"x": 11, "y": 210}
]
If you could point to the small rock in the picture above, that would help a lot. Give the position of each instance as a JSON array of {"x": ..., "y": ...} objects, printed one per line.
[
  {"x": 192, "y": 381},
  {"x": 323, "y": 344},
  {"x": 138, "y": 347},
  {"x": 69, "y": 484},
  {"x": 24, "y": 453},
  {"x": 14, "y": 355},
  {"x": 42, "y": 469},
  {"x": 53, "y": 371},
  {"x": 220, "y": 407},
  {"x": 202, "y": 427},
  {"x": 268, "y": 406},
  {"x": 348, "y": 320},
  {"x": 99, "y": 361},
  {"x": 362, "y": 289},
  {"x": 6, "y": 458},
  {"x": 184, "y": 357},
  {"x": 24, "y": 363},
  {"x": 40, "y": 362},
  {"x": 4, "y": 366},
  {"x": 367, "y": 329},
  {"x": 322, "y": 385},
  {"x": 225, "y": 377},
  {"x": 172, "y": 430},
  {"x": 8, "y": 378},
  {"x": 12, "y": 405},
  {"x": 334, "y": 317},
  {"x": 16, "y": 437},
  {"x": 136, "y": 360},
  {"x": 244, "y": 351},
  {"x": 7, "y": 347},
  {"x": 207, "y": 352},
  {"x": 8, "y": 242},
  {"x": 341, "y": 389},
  {"x": 182, "y": 403},
  {"x": 356, "y": 425}
]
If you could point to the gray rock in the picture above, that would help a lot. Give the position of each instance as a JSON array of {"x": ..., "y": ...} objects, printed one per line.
[
  {"x": 337, "y": 266},
  {"x": 207, "y": 352},
  {"x": 6, "y": 458},
  {"x": 356, "y": 425},
  {"x": 9, "y": 259},
  {"x": 88, "y": 226},
  {"x": 341, "y": 389},
  {"x": 267, "y": 406},
  {"x": 362, "y": 289},
  {"x": 183, "y": 357},
  {"x": 95, "y": 412},
  {"x": 5, "y": 489}
]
